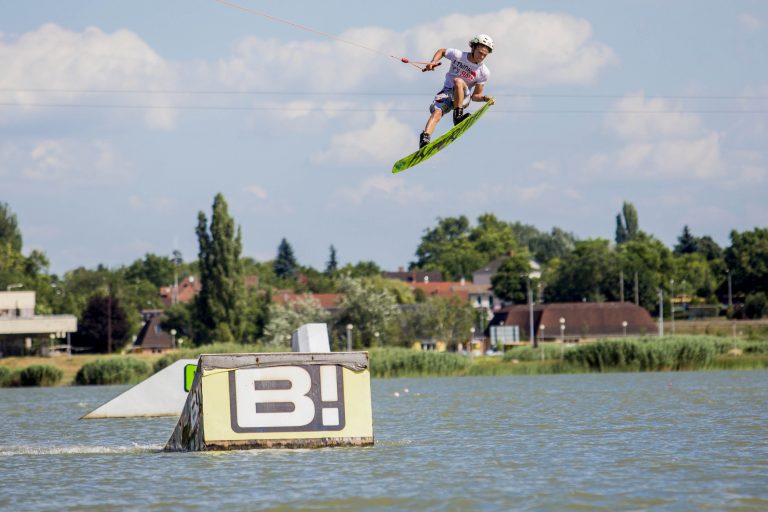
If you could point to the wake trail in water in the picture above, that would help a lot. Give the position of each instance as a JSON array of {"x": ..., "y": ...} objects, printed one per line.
[{"x": 9, "y": 451}]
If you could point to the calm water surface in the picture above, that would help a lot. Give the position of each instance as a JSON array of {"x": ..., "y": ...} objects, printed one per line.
[{"x": 664, "y": 441}]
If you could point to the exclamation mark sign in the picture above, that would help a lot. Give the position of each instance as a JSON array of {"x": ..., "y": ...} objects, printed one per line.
[{"x": 329, "y": 393}]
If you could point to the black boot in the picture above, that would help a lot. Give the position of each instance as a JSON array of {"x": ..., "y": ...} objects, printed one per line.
[
  {"x": 424, "y": 139},
  {"x": 459, "y": 115}
]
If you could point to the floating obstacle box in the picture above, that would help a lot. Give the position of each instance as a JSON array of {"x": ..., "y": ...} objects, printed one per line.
[{"x": 277, "y": 400}]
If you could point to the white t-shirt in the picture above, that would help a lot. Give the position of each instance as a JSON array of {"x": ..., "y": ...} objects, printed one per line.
[{"x": 461, "y": 67}]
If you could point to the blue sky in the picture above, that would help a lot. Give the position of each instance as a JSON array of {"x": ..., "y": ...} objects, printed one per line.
[{"x": 120, "y": 120}]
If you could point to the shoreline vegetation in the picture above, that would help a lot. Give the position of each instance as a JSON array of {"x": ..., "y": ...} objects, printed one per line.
[{"x": 626, "y": 354}]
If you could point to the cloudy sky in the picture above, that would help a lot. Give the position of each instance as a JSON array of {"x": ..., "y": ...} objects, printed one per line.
[{"x": 120, "y": 120}]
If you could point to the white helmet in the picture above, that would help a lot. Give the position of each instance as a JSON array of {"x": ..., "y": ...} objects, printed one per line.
[{"x": 483, "y": 39}]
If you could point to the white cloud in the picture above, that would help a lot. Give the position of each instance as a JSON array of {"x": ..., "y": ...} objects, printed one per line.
[
  {"x": 531, "y": 48},
  {"x": 383, "y": 141},
  {"x": 63, "y": 162},
  {"x": 660, "y": 140},
  {"x": 71, "y": 62},
  {"x": 388, "y": 187},
  {"x": 257, "y": 191},
  {"x": 751, "y": 22},
  {"x": 638, "y": 118}
]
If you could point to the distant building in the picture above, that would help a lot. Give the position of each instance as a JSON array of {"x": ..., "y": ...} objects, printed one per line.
[
  {"x": 152, "y": 337},
  {"x": 581, "y": 320},
  {"x": 479, "y": 295},
  {"x": 415, "y": 276},
  {"x": 24, "y": 332}
]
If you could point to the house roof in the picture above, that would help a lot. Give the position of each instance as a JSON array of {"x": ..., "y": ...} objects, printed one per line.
[
  {"x": 152, "y": 336},
  {"x": 582, "y": 319},
  {"x": 452, "y": 288},
  {"x": 415, "y": 276}
]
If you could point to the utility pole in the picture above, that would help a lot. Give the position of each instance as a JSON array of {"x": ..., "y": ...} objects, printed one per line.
[
  {"x": 661, "y": 312},
  {"x": 621, "y": 285},
  {"x": 109, "y": 318},
  {"x": 637, "y": 291},
  {"x": 534, "y": 344}
]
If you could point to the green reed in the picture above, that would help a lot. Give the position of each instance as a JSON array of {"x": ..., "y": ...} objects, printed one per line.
[
  {"x": 122, "y": 370},
  {"x": 402, "y": 362}
]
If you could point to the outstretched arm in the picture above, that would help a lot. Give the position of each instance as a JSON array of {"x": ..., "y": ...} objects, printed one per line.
[
  {"x": 477, "y": 93},
  {"x": 439, "y": 54}
]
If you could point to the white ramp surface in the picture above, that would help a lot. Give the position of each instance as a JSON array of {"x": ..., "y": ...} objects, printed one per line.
[{"x": 162, "y": 394}]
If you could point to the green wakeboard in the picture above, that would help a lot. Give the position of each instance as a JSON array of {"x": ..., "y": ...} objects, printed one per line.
[{"x": 443, "y": 141}]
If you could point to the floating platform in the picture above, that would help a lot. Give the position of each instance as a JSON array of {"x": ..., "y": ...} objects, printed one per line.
[{"x": 277, "y": 400}]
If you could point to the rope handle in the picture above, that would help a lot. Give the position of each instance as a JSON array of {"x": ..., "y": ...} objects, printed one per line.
[{"x": 416, "y": 63}]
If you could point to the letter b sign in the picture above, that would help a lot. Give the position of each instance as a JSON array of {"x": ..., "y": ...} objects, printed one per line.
[{"x": 287, "y": 398}]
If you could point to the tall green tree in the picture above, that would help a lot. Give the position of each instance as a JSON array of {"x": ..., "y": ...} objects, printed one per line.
[
  {"x": 448, "y": 249},
  {"x": 652, "y": 261},
  {"x": 285, "y": 264},
  {"x": 747, "y": 260},
  {"x": 220, "y": 303},
  {"x": 589, "y": 273},
  {"x": 332, "y": 265},
  {"x": 511, "y": 282},
  {"x": 492, "y": 237},
  {"x": 9, "y": 228},
  {"x": 103, "y": 325},
  {"x": 627, "y": 223},
  {"x": 686, "y": 243},
  {"x": 158, "y": 270}
]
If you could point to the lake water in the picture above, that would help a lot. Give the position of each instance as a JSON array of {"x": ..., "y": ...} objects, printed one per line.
[{"x": 663, "y": 441}]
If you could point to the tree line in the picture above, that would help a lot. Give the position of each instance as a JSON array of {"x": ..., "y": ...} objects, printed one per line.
[{"x": 634, "y": 266}]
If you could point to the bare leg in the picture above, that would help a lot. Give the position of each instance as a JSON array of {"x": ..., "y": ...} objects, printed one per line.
[
  {"x": 458, "y": 93},
  {"x": 434, "y": 118}
]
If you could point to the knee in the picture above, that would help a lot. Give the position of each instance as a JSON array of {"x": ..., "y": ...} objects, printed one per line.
[{"x": 458, "y": 84}]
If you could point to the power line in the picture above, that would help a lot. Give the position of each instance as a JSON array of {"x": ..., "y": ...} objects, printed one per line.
[
  {"x": 373, "y": 93},
  {"x": 364, "y": 109}
]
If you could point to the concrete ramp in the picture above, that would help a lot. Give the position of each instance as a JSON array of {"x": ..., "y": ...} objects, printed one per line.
[
  {"x": 162, "y": 394},
  {"x": 277, "y": 400}
]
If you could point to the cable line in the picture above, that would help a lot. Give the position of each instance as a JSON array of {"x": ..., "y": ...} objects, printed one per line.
[
  {"x": 364, "y": 109},
  {"x": 368, "y": 93}
]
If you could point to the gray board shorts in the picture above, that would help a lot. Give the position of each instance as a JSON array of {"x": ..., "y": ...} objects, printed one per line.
[{"x": 444, "y": 100}]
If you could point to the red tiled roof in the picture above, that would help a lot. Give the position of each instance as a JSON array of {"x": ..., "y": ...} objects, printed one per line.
[
  {"x": 582, "y": 319},
  {"x": 451, "y": 289}
]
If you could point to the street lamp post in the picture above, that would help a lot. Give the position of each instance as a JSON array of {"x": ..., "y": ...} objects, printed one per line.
[
  {"x": 672, "y": 302},
  {"x": 562, "y": 337},
  {"x": 173, "y": 338},
  {"x": 376, "y": 335},
  {"x": 349, "y": 337},
  {"x": 624, "y": 327},
  {"x": 730, "y": 289},
  {"x": 661, "y": 312},
  {"x": 531, "y": 336}
]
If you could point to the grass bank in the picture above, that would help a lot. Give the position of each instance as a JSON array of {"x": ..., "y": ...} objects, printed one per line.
[{"x": 630, "y": 354}]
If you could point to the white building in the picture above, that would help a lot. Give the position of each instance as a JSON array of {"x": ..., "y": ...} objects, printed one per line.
[{"x": 21, "y": 330}]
